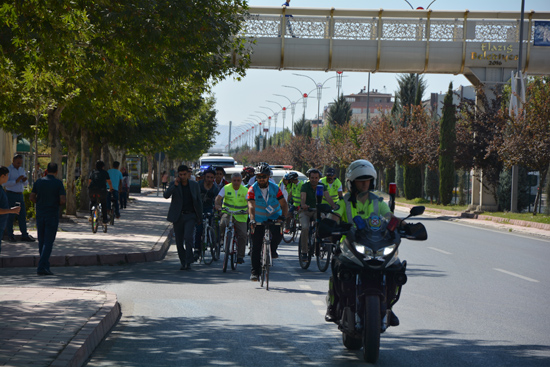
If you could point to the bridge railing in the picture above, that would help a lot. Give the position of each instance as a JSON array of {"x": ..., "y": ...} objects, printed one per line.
[{"x": 390, "y": 25}]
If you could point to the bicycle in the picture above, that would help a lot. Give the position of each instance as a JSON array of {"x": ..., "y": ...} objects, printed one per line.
[
  {"x": 216, "y": 228},
  {"x": 293, "y": 226},
  {"x": 111, "y": 212},
  {"x": 230, "y": 241},
  {"x": 208, "y": 246},
  {"x": 318, "y": 247},
  {"x": 266, "y": 259},
  {"x": 97, "y": 214}
]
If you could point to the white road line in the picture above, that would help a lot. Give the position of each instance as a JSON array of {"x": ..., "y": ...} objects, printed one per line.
[
  {"x": 438, "y": 250},
  {"x": 516, "y": 275},
  {"x": 317, "y": 302},
  {"x": 305, "y": 286},
  {"x": 322, "y": 312}
]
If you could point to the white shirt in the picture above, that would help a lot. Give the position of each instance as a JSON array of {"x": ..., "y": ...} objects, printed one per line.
[{"x": 11, "y": 185}]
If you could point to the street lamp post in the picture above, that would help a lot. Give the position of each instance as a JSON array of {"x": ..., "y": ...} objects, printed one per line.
[
  {"x": 275, "y": 114},
  {"x": 303, "y": 95},
  {"x": 319, "y": 87},
  {"x": 284, "y": 115},
  {"x": 292, "y": 110},
  {"x": 268, "y": 122}
]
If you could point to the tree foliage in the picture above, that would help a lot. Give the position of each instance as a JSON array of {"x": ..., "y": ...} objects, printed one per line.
[{"x": 447, "y": 148}]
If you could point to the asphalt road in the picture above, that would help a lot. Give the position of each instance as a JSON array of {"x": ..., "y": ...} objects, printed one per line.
[{"x": 475, "y": 297}]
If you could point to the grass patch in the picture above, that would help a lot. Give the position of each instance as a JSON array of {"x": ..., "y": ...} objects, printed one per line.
[
  {"x": 426, "y": 203},
  {"x": 539, "y": 218}
]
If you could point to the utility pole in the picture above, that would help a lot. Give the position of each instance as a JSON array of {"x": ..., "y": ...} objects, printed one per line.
[{"x": 229, "y": 144}]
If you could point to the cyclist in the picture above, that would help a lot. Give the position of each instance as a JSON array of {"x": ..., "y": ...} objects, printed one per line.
[
  {"x": 209, "y": 191},
  {"x": 97, "y": 186},
  {"x": 360, "y": 179},
  {"x": 265, "y": 201},
  {"x": 234, "y": 198},
  {"x": 220, "y": 180},
  {"x": 333, "y": 184},
  {"x": 253, "y": 179},
  {"x": 308, "y": 200},
  {"x": 293, "y": 188},
  {"x": 247, "y": 173}
]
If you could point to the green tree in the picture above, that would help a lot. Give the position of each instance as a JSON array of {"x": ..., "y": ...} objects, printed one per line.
[
  {"x": 447, "y": 148},
  {"x": 339, "y": 112},
  {"x": 302, "y": 128}
]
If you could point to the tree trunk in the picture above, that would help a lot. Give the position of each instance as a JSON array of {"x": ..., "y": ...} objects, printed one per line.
[
  {"x": 53, "y": 136},
  {"x": 85, "y": 163},
  {"x": 106, "y": 156},
  {"x": 69, "y": 130},
  {"x": 542, "y": 179},
  {"x": 117, "y": 153},
  {"x": 150, "y": 164}
]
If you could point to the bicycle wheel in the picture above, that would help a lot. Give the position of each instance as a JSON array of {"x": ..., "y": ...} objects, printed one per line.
[
  {"x": 226, "y": 248},
  {"x": 304, "y": 264},
  {"x": 112, "y": 217},
  {"x": 95, "y": 219},
  {"x": 267, "y": 266},
  {"x": 234, "y": 254},
  {"x": 104, "y": 224},
  {"x": 208, "y": 247},
  {"x": 289, "y": 237},
  {"x": 323, "y": 255}
]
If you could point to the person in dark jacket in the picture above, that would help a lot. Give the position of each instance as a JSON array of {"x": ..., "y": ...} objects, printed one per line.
[
  {"x": 48, "y": 193},
  {"x": 185, "y": 212}
]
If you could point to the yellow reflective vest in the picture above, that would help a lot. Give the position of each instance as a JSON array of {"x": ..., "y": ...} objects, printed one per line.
[
  {"x": 333, "y": 191},
  {"x": 236, "y": 202}
]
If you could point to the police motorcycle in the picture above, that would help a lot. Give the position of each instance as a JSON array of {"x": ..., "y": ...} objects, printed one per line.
[{"x": 367, "y": 279}]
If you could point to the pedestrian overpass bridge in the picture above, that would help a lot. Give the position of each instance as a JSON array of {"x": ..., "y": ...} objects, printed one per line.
[{"x": 482, "y": 45}]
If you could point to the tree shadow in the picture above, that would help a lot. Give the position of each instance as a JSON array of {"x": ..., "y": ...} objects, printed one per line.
[{"x": 208, "y": 341}]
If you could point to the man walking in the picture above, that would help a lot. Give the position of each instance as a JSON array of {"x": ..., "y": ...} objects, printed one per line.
[
  {"x": 48, "y": 194},
  {"x": 17, "y": 180},
  {"x": 185, "y": 212},
  {"x": 116, "y": 182}
]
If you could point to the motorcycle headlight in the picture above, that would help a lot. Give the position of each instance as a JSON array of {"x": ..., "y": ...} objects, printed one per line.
[
  {"x": 385, "y": 251},
  {"x": 363, "y": 250}
]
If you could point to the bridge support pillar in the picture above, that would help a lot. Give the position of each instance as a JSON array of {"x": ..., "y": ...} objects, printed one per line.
[{"x": 487, "y": 79}]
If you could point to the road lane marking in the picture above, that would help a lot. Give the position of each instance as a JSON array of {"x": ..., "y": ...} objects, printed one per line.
[
  {"x": 438, "y": 250},
  {"x": 317, "y": 302},
  {"x": 516, "y": 275},
  {"x": 305, "y": 286}
]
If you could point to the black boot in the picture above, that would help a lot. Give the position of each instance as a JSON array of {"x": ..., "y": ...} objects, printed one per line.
[{"x": 394, "y": 320}]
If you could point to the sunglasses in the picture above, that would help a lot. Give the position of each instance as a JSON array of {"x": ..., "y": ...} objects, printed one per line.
[{"x": 260, "y": 177}]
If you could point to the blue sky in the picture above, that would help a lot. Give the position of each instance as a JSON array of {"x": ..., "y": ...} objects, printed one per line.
[{"x": 237, "y": 100}]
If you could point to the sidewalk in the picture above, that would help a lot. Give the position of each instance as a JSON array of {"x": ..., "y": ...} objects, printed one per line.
[
  {"x": 136, "y": 237},
  {"x": 61, "y": 326}
]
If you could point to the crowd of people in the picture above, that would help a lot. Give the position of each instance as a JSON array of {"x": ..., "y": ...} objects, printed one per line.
[{"x": 255, "y": 191}]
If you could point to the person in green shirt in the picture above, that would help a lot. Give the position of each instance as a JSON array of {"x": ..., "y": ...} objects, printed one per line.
[{"x": 309, "y": 200}]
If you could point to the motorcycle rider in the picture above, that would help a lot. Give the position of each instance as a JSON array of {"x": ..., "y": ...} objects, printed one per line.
[{"x": 360, "y": 200}]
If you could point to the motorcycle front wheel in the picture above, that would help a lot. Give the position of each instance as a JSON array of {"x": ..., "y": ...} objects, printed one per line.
[
  {"x": 350, "y": 342},
  {"x": 371, "y": 329}
]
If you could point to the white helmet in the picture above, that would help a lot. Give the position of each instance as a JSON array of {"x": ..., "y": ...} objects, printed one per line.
[{"x": 360, "y": 168}]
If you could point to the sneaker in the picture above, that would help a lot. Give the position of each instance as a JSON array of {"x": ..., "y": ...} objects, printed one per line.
[
  {"x": 240, "y": 260},
  {"x": 275, "y": 255},
  {"x": 253, "y": 277},
  {"x": 28, "y": 238}
]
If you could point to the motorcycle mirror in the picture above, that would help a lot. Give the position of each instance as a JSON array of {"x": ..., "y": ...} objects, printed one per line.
[{"x": 417, "y": 210}]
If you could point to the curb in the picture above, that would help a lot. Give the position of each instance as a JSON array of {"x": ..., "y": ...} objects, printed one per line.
[
  {"x": 157, "y": 253},
  {"x": 81, "y": 346},
  {"x": 516, "y": 222}
]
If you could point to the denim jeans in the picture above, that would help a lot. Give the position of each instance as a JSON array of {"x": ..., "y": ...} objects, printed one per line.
[
  {"x": 21, "y": 217},
  {"x": 46, "y": 226}
]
